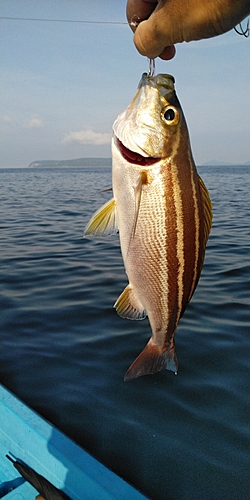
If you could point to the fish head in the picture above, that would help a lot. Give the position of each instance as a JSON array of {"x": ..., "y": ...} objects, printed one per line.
[{"x": 150, "y": 126}]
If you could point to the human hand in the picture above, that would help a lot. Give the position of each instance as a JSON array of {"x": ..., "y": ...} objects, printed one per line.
[{"x": 167, "y": 22}]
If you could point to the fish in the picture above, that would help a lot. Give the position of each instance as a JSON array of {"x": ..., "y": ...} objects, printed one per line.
[{"x": 163, "y": 213}]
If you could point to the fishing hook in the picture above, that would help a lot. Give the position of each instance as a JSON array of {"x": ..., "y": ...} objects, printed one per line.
[
  {"x": 246, "y": 32},
  {"x": 151, "y": 70},
  {"x": 135, "y": 21}
]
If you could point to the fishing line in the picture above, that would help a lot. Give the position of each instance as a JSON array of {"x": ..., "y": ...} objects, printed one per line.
[
  {"x": 60, "y": 20},
  {"x": 135, "y": 21},
  {"x": 243, "y": 32}
]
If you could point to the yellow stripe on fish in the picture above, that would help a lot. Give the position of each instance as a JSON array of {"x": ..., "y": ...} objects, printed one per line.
[{"x": 164, "y": 215}]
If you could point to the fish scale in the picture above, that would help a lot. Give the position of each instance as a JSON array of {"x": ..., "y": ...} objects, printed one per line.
[{"x": 150, "y": 240}]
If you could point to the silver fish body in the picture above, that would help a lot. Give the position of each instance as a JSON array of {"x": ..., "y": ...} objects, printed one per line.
[{"x": 163, "y": 212}]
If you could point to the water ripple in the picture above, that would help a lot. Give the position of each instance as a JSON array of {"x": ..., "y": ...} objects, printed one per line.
[{"x": 65, "y": 350}]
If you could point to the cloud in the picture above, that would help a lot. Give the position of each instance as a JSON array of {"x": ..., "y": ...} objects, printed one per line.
[
  {"x": 6, "y": 119},
  {"x": 34, "y": 123},
  {"x": 87, "y": 137}
]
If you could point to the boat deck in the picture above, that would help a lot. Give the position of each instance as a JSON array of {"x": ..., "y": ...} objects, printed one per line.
[{"x": 31, "y": 439}]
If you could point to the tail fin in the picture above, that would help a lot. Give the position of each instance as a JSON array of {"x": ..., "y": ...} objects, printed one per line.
[{"x": 151, "y": 360}]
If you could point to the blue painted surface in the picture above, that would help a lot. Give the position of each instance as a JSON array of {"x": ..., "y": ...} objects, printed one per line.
[{"x": 40, "y": 445}]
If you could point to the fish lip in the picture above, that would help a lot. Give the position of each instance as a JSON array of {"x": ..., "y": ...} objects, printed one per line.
[{"x": 134, "y": 157}]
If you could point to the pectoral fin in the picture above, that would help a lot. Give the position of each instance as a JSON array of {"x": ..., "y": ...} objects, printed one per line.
[
  {"x": 103, "y": 222},
  {"x": 128, "y": 306},
  {"x": 143, "y": 180}
]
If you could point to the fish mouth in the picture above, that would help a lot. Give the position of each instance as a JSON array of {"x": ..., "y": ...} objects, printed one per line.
[{"x": 135, "y": 158}]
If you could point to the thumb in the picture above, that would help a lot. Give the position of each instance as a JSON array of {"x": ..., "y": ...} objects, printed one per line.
[{"x": 154, "y": 34}]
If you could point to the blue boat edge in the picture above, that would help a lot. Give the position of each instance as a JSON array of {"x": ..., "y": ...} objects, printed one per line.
[{"x": 30, "y": 438}]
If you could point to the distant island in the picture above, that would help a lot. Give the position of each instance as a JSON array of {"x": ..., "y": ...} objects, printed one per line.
[
  {"x": 78, "y": 162},
  {"x": 216, "y": 163},
  {"x": 106, "y": 162}
]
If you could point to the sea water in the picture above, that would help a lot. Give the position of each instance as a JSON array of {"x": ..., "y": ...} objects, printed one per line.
[{"x": 65, "y": 350}]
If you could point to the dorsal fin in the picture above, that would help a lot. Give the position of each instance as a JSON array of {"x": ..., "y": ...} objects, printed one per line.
[
  {"x": 207, "y": 209},
  {"x": 103, "y": 222}
]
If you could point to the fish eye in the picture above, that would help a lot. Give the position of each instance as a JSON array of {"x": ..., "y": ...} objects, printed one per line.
[{"x": 170, "y": 115}]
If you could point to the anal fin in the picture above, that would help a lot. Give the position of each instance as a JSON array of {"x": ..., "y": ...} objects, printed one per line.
[
  {"x": 153, "y": 359},
  {"x": 128, "y": 306}
]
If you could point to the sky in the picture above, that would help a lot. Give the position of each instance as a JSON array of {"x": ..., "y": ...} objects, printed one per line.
[{"x": 64, "y": 83}]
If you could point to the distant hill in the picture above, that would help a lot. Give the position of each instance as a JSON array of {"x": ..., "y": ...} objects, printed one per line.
[
  {"x": 215, "y": 163},
  {"x": 78, "y": 162},
  {"x": 105, "y": 162}
]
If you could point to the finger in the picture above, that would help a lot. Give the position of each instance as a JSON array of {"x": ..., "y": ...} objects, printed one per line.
[
  {"x": 168, "y": 53},
  {"x": 137, "y": 10},
  {"x": 153, "y": 35}
]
